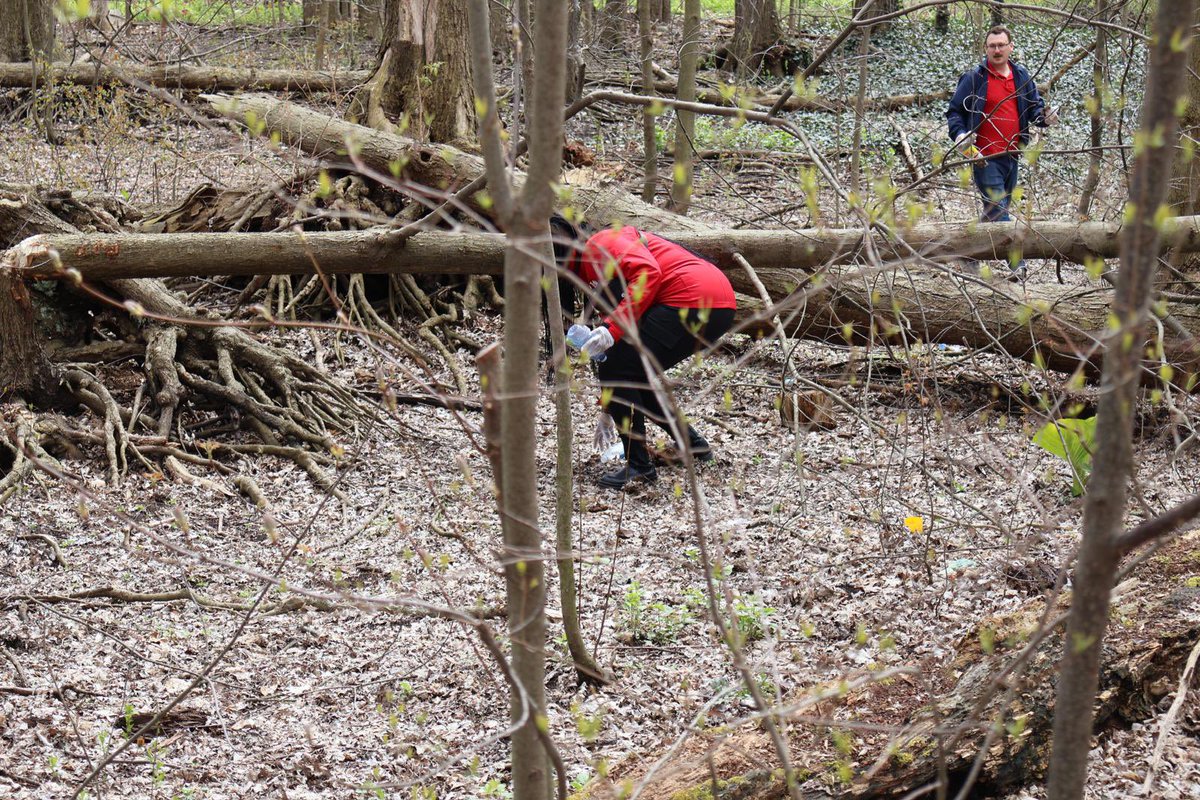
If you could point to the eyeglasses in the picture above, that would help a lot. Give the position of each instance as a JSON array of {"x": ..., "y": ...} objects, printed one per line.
[{"x": 999, "y": 46}]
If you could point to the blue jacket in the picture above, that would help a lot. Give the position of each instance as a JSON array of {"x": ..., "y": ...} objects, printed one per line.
[{"x": 965, "y": 113}]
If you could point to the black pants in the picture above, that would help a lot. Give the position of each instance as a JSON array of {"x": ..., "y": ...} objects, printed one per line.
[{"x": 670, "y": 335}]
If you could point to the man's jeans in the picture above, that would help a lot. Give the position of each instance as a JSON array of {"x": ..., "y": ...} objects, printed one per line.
[{"x": 996, "y": 179}]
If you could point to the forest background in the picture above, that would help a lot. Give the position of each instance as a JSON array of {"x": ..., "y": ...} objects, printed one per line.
[{"x": 253, "y": 543}]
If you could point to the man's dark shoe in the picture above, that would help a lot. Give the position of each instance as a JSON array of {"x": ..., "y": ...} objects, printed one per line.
[
  {"x": 618, "y": 478},
  {"x": 701, "y": 451}
]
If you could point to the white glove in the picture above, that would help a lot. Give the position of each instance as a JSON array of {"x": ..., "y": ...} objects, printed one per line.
[
  {"x": 1050, "y": 117},
  {"x": 598, "y": 342},
  {"x": 606, "y": 432},
  {"x": 962, "y": 138}
]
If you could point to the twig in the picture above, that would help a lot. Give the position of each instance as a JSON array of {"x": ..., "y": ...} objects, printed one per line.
[
  {"x": 22, "y": 678},
  {"x": 1168, "y": 721},
  {"x": 49, "y": 540}
]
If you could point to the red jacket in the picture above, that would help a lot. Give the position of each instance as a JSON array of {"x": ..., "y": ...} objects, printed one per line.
[
  {"x": 654, "y": 271},
  {"x": 1000, "y": 131}
]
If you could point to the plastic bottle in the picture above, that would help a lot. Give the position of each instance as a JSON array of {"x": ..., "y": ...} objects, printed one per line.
[
  {"x": 577, "y": 335},
  {"x": 615, "y": 452}
]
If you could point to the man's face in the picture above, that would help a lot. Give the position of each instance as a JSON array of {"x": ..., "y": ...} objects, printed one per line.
[{"x": 998, "y": 48}]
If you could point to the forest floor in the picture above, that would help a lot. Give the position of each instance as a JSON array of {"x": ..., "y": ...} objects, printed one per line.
[{"x": 881, "y": 542}]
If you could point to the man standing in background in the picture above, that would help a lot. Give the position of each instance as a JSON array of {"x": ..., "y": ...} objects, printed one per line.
[{"x": 996, "y": 103}]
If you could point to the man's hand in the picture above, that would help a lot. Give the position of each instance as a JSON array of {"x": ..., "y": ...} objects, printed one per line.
[
  {"x": 598, "y": 342},
  {"x": 964, "y": 143}
]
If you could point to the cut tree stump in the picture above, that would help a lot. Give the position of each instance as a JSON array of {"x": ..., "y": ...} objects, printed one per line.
[{"x": 897, "y": 734}]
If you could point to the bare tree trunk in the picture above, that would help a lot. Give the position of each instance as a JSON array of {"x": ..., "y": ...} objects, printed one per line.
[
  {"x": 500, "y": 26},
  {"x": 26, "y": 30},
  {"x": 23, "y": 363},
  {"x": 952, "y": 311},
  {"x": 576, "y": 66},
  {"x": 612, "y": 23},
  {"x": 649, "y": 145},
  {"x": 1184, "y": 196},
  {"x": 1099, "y": 78},
  {"x": 451, "y": 101},
  {"x": 422, "y": 81},
  {"x": 998, "y": 14},
  {"x": 525, "y": 223},
  {"x": 322, "y": 34},
  {"x": 1104, "y": 504},
  {"x": 755, "y": 29},
  {"x": 941, "y": 19},
  {"x": 864, "y": 48},
  {"x": 685, "y": 121}
]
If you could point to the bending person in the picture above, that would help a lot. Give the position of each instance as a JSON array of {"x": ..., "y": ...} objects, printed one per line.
[{"x": 677, "y": 302}]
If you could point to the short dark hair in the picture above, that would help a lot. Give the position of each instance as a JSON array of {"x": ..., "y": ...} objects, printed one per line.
[
  {"x": 566, "y": 236},
  {"x": 997, "y": 30}
]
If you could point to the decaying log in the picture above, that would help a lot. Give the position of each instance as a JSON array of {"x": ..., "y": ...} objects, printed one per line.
[
  {"x": 184, "y": 77},
  {"x": 1156, "y": 623},
  {"x": 438, "y": 168},
  {"x": 99, "y": 257},
  {"x": 1039, "y": 322}
]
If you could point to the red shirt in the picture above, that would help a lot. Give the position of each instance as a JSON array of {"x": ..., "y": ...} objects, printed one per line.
[
  {"x": 1001, "y": 127},
  {"x": 655, "y": 272}
]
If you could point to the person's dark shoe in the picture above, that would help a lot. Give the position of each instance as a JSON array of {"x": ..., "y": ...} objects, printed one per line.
[
  {"x": 637, "y": 466},
  {"x": 1018, "y": 274},
  {"x": 618, "y": 478},
  {"x": 701, "y": 451}
]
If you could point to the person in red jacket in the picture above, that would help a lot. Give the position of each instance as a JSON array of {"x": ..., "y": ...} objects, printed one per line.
[{"x": 660, "y": 295}]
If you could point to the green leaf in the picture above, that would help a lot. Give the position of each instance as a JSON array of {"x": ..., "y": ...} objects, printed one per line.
[{"x": 1072, "y": 441}]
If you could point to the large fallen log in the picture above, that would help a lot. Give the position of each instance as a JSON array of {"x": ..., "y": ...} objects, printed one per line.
[
  {"x": 1058, "y": 328},
  {"x": 183, "y": 77},
  {"x": 99, "y": 257},
  {"x": 896, "y": 735},
  {"x": 1044, "y": 323}
]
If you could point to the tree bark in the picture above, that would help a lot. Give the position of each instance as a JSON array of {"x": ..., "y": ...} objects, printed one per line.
[
  {"x": 685, "y": 121},
  {"x": 1105, "y": 503},
  {"x": 422, "y": 79},
  {"x": 25, "y": 371},
  {"x": 649, "y": 142},
  {"x": 755, "y": 30},
  {"x": 1065, "y": 347},
  {"x": 1099, "y": 77},
  {"x": 26, "y": 30},
  {"x": 1061, "y": 328},
  {"x": 524, "y": 217},
  {"x": 949, "y": 728},
  {"x": 184, "y": 77}
]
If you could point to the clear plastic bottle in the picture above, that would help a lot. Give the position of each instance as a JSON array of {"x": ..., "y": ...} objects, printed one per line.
[{"x": 578, "y": 334}]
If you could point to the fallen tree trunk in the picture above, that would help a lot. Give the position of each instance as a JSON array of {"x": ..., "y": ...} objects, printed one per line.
[
  {"x": 379, "y": 250},
  {"x": 1062, "y": 340},
  {"x": 183, "y": 77},
  {"x": 987, "y": 710},
  {"x": 1044, "y": 323}
]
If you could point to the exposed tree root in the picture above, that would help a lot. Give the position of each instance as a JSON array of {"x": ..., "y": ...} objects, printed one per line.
[
  {"x": 23, "y": 443},
  {"x": 192, "y": 362},
  {"x": 55, "y": 550}
]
